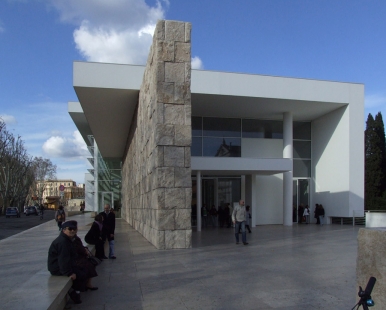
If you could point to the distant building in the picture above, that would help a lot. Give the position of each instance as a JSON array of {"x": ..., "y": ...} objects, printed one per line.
[{"x": 51, "y": 192}]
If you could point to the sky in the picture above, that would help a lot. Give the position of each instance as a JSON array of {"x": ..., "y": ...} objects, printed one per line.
[{"x": 333, "y": 40}]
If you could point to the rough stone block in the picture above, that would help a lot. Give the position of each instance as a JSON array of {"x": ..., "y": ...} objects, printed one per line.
[
  {"x": 160, "y": 73},
  {"x": 182, "y": 93},
  {"x": 165, "y": 219},
  {"x": 175, "y": 239},
  {"x": 183, "y": 219},
  {"x": 188, "y": 242},
  {"x": 165, "y": 50},
  {"x": 187, "y": 159},
  {"x": 165, "y": 177},
  {"x": 164, "y": 134},
  {"x": 175, "y": 198},
  {"x": 182, "y": 177},
  {"x": 175, "y": 72},
  {"x": 174, "y": 156},
  {"x": 174, "y": 114},
  {"x": 174, "y": 31},
  {"x": 188, "y": 72},
  {"x": 165, "y": 92},
  {"x": 188, "y": 197},
  {"x": 371, "y": 262},
  {"x": 183, "y": 135},
  {"x": 182, "y": 52},
  {"x": 158, "y": 198},
  {"x": 188, "y": 114},
  {"x": 159, "y": 33},
  {"x": 188, "y": 31}
]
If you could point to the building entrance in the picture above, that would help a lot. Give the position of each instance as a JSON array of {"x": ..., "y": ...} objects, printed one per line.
[
  {"x": 215, "y": 191},
  {"x": 301, "y": 198}
]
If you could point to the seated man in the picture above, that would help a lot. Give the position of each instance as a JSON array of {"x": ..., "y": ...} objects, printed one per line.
[{"x": 62, "y": 260}]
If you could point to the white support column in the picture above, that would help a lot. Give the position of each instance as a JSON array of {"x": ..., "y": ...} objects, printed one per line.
[
  {"x": 287, "y": 176},
  {"x": 96, "y": 178},
  {"x": 199, "y": 200}
]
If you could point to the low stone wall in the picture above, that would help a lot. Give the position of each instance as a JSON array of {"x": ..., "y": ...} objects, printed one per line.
[
  {"x": 156, "y": 173},
  {"x": 371, "y": 262}
]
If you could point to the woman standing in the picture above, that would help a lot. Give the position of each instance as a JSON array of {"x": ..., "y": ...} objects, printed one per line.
[
  {"x": 94, "y": 236},
  {"x": 248, "y": 218}
]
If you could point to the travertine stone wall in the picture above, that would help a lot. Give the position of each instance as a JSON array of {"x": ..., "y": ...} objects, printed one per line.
[
  {"x": 156, "y": 173},
  {"x": 371, "y": 262}
]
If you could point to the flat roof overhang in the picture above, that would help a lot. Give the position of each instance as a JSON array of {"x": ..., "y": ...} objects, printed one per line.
[
  {"x": 239, "y": 166},
  {"x": 108, "y": 96}
]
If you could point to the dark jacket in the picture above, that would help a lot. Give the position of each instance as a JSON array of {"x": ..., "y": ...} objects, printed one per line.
[
  {"x": 108, "y": 223},
  {"x": 93, "y": 235},
  {"x": 61, "y": 256}
]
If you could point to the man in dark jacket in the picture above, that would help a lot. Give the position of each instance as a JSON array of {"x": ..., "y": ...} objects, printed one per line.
[
  {"x": 109, "y": 229},
  {"x": 62, "y": 260}
]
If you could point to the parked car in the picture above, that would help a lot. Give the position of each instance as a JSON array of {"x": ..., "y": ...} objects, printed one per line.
[
  {"x": 31, "y": 211},
  {"x": 12, "y": 211}
]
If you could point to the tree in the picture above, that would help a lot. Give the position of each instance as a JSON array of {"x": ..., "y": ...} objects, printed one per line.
[
  {"x": 375, "y": 163},
  {"x": 44, "y": 170}
]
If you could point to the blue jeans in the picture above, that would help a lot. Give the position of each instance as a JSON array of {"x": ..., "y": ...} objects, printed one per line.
[
  {"x": 111, "y": 248},
  {"x": 243, "y": 233}
]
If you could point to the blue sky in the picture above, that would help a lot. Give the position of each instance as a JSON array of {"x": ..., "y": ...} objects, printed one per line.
[{"x": 39, "y": 40}]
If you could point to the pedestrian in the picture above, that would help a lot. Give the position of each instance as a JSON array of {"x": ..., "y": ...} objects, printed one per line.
[
  {"x": 238, "y": 219},
  {"x": 60, "y": 217},
  {"x": 248, "y": 218},
  {"x": 94, "y": 236},
  {"x": 316, "y": 213},
  {"x": 108, "y": 229},
  {"x": 321, "y": 214},
  {"x": 306, "y": 214},
  {"x": 204, "y": 215},
  {"x": 230, "y": 215},
  {"x": 62, "y": 260},
  {"x": 213, "y": 216}
]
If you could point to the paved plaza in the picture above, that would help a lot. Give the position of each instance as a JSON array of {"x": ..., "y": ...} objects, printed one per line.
[{"x": 299, "y": 267}]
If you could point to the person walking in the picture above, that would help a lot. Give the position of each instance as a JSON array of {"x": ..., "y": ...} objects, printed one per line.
[
  {"x": 60, "y": 217},
  {"x": 109, "y": 229},
  {"x": 321, "y": 214},
  {"x": 306, "y": 214},
  {"x": 238, "y": 219}
]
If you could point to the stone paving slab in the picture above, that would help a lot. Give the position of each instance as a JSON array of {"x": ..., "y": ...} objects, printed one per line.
[{"x": 299, "y": 267}]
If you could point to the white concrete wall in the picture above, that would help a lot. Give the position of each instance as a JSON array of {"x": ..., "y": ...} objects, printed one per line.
[
  {"x": 330, "y": 154},
  {"x": 375, "y": 219},
  {"x": 261, "y": 148},
  {"x": 269, "y": 200}
]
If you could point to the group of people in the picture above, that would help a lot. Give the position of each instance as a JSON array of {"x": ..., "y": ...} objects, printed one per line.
[
  {"x": 238, "y": 217},
  {"x": 304, "y": 214},
  {"x": 221, "y": 217},
  {"x": 68, "y": 257}
]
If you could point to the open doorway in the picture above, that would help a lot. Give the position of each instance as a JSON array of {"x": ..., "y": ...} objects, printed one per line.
[{"x": 301, "y": 196}]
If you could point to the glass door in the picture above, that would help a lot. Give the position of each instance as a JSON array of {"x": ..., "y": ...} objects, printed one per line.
[{"x": 301, "y": 197}]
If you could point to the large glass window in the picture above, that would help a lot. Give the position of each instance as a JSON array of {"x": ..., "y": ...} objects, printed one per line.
[
  {"x": 222, "y": 147},
  {"x": 302, "y": 149},
  {"x": 302, "y": 130},
  {"x": 302, "y": 168},
  {"x": 221, "y": 127},
  {"x": 196, "y": 126},
  {"x": 265, "y": 129},
  {"x": 196, "y": 148}
]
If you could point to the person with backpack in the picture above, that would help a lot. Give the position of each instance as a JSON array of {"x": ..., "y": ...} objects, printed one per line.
[{"x": 60, "y": 217}]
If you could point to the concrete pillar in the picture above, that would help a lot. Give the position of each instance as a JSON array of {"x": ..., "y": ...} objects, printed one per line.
[
  {"x": 251, "y": 196},
  {"x": 287, "y": 176},
  {"x": 199, "y": 200}
]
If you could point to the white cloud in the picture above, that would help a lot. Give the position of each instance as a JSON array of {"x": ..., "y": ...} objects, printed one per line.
[
  {"x": 374, "y": 101},
  {"x": 8, "y": 119},
  {"x": 197, "y": 63},
  {"x": 117, "y": 31},
  {"x": 57, "y": 146}
]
